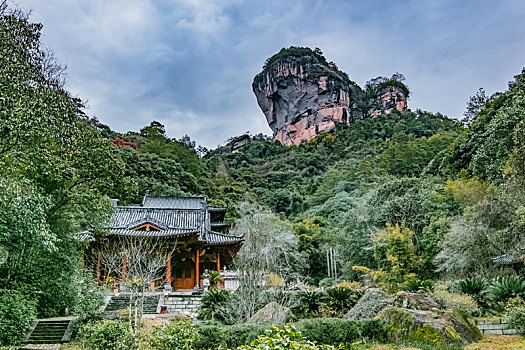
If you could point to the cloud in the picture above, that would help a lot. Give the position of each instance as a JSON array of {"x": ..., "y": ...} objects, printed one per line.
[{"x": 190, "y": 63}]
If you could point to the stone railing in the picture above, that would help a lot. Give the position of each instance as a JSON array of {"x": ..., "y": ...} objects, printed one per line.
[{"x": 494, "y": 325}]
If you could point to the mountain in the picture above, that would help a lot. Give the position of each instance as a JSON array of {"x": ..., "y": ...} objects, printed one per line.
[{"x": 302, "y": 94}]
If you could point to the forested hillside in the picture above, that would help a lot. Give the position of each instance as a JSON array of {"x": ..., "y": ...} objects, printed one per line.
[{"x": 456, "y": 188}]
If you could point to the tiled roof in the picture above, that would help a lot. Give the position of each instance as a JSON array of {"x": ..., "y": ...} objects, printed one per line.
[
  {"x": 508, "y": 259},
  {"x": 221, "y": 238},
  {"x": 126, "y": 217},
  {"x": 173, "y": 216}
]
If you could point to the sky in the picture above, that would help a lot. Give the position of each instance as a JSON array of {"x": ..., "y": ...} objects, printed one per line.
[{"x": 189, "y": 64}]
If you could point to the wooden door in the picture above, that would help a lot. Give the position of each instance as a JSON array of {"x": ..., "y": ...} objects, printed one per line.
[{"x": 184, "y": 275}]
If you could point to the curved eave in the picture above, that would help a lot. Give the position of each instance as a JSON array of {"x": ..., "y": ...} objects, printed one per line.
[{"x": 217, "y": 238}]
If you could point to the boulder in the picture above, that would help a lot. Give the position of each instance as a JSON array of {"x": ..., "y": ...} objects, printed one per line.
[
  {"x": 271, "y": 313},
  {"x": 437, "y": 328},
  {"x": 417, "y": 301},
  {"x": 370, "y": 305}
]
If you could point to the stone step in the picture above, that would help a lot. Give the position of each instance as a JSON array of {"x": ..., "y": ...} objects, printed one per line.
[{"x": 50, "y": 332}]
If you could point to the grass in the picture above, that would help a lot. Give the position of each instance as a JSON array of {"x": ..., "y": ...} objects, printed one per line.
[{"x": 499, "y": 342}]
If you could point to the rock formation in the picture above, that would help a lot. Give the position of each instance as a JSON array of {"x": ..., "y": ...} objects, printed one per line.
[
  {"x": 271, "y": 313},
  {"x": 370, "y": 305},
  {"x": 435, "y": 328},
  {"x": 301, "y": 94}
]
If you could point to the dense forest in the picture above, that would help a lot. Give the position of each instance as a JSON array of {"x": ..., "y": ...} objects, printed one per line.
[{"x": 400, "y": 197}]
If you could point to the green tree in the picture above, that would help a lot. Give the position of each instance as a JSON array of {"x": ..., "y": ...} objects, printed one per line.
[{"x": 395, "y": 254}]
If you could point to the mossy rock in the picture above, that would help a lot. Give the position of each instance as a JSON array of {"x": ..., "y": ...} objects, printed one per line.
[{"x": 437, "y": 328}]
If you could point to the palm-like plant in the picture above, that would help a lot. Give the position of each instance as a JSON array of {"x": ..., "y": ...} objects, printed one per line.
[
  {"x": 474, "y": 286},
  {"x": 415, "y": 285},
  {"x": 212, "y": 303},
  {"x": 308, "y": 301},
  {"x": 504, "y": 288},
  {"x": 215, "y": 278},
  {"x": 342, "y": 299}
]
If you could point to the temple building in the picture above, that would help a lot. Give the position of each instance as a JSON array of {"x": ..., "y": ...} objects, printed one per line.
[{"x": 190, "y": 236}]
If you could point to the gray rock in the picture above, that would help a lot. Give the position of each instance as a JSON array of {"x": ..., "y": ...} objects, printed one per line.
[
  {"x": 370, "y": 305},
  {"x": 415, "y": 301},
  {"x": 437, "y": 328},
  {"x": 271, "y": 313}
]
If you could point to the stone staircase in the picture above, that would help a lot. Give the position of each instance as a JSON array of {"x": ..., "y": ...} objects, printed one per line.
[
  {"x": 50, "y": 331},
  {"x": 120, "y": 302},
  {"x": 151, "y": 303}
]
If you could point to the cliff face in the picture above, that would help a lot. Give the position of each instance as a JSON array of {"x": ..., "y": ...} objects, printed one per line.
[
  {"x": 301, "y": 95},
  {"x": 388, "y": 99}
]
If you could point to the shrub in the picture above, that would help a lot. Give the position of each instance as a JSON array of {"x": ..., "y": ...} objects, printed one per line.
[
  {"x": 307, "y": 302},
  {"x": 212, "y": 304},
  {"x": 340, "y": 300},
  {"x": 16, "y": 314},
  {"x": 416, "y": 285},
  {"x": 107, "y": 335},
  {"x": 336, "y": 331},
  {"x": 504, "y": 288},
  {"x": 475, "y": 286},
  {"x": 238, "y": 335},
  {"x": 210, "y": 336},
  {"x": 180, "y": 335},
  {"x": 515, "y": 310},
  {"x": 462, "y": 302},
  {"x": 285, "y": 338},
  {"x": 331, "y": 331}
]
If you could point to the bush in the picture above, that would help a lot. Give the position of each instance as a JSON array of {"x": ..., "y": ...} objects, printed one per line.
[
  {"x": 307, "y": 302},
  {"x": 331, "y": 331},
  {"x": 212, "y": 305},
  {"x": 515, "y": 311},
  {"x": 16, "y": 315},
  {"x": 210, "y": 336},
  {"x": 462, "y": 302},
  {"x": 107, "y": 335},
  {"x": 416, "y": 285},
  {"x": 340, "y": 300},
  {"x": 504, "y": 288},
  {"x": 475, "y": 286},
  {"x": 180, "y": 335},
  {"x": 336, "y": 331},
  {"x": 285, "y": 338}
]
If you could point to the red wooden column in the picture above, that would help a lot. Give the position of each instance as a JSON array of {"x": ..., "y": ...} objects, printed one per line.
[
  {"x": 197, "y": 282},
  {"x": 124, "y": 269},
  {"x": 218, "y": 266},
  {"x": 168, "y": 269}
]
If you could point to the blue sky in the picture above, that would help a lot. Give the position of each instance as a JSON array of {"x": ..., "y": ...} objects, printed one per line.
[{"x": 189, "y": 64}]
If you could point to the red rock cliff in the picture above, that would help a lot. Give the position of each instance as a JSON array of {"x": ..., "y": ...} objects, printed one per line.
[{"x": 301, "y": 94}]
